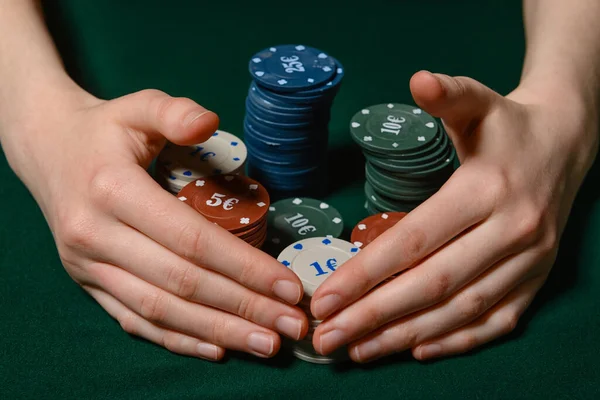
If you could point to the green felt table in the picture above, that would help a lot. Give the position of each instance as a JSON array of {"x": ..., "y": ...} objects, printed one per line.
[{"x": 56, "y": 342}]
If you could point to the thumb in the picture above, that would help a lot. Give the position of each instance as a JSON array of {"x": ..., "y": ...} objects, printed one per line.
[
  {"x": 156, "y": 114},
  {"x": 462, "y": 103}
]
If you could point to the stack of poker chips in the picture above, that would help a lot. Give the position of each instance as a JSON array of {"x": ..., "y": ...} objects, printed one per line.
[
  {"x": 233, "y": 202},
  {"x": 371, "y": 227},
  {"x": 176, "y": 166},
  {"x": 297, "y": 218},
  {"x": 409, "y": 156},
  {"x": 313, "y": 260},
  {"x": 287, "y": 115}
]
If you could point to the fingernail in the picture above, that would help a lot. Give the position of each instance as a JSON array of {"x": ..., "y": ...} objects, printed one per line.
[
  {"x": 191, "y": 117},
  {"x": 287, "y": 290},
  {"x": 207, "y": 350},
  {"x": 331, "y": 340},
  {"x": 430, "y": 351},
  {"x": 367, "y": 350},
  {"x": 289, "y": 326},
  {"x": 327, "y": 305},
  {"x": 260, "y": 344}
]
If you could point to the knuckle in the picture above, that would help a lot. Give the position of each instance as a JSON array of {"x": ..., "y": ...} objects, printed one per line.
[
  {"x": 438, "y": 288},
  {"x": 219, "y": 330},
  {"x": 467, "y": 341},
  {"x": 471, "y": 306},
  {"x": 191, "y": 242},
  {"x": 171, "y": 341},
  {"x": 361, "y": 279},
  {"x": 246, "y": 307},
  {"x": 248, "y": 272},
  {"x": 413, "y": 243},
  {"x": 164, "y": 106},
  {"x": 374, "y": 317},
  {"x": 129, "y": 323},
  {"x": 76, "y": 230},
  {"x": 495, "y": 186},
  {"x": 550, "y": 240},
  {"x": 183, "y": 282},
  {"x": 107, "y": 185},
  {"x": 510, "y": 321},
  {"x": 530, "y": 225},
  {"x": 154, "y": 307}
]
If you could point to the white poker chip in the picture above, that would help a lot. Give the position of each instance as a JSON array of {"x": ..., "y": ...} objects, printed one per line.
[
  {"x": 223, "y": 153},
  {"x": 315, "y": 259}
]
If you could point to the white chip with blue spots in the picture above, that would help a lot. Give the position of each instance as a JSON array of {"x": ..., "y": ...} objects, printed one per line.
[
  {"x": 223, "y": 153},
  {"x": 315, "y": 259}
]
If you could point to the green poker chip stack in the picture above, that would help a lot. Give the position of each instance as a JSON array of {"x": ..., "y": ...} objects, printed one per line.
[
  {"x": 298, "y": 218},
  {"x": 408, "y": 155}
]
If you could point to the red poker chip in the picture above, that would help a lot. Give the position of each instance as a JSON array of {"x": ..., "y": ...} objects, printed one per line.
[
  {"x": 234, "y": 202},
  {"x": 371, "y": 227}
]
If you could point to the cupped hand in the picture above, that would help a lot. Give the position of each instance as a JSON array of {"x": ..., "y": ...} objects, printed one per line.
[
  {"x": 152, "y": 262},
  {"x": 475, "y": 254}
]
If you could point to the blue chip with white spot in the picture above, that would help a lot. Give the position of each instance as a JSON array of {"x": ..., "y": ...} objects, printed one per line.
[
  {"x": 223, "y": 153},
  {"x": 315, "y": 259},
  {"x": 290, "y": 68}
]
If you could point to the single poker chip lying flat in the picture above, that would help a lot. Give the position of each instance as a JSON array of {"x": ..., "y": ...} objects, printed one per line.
[
  {"x": 393, "y": 128},
  {"x": 313, "y": 260},
  {"x": 371, "y": 227},
  {"x": 223, "y": 153},
  {"x": 291, "y": 68},
  {"x": 234, "y": 202},
  {"x": 302, "y": 217}
]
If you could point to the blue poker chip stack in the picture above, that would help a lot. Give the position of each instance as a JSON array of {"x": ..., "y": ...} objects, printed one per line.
[{"x": 287, "y": 115}]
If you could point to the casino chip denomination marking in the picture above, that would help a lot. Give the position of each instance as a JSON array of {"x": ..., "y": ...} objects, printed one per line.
[
  {"x": 234, "y": 202},
  {"x": 409, "y": 156},
  {"x": 287, "y": 116},
  {"x": 297, "y": 218},
  {"x": 313, "y": 260},
  {"x": 223, "y": 153}
]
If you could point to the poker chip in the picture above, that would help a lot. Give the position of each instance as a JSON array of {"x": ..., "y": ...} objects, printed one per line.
[
  {"x": 291, "y": 67},
  {"x": 313, "y": 260},
  {"x": 297, "y": 218},
  {"x": 408, "y": 156},
  {"x": 288, "y": 108},
  {"x": 236, "y": 203},
  {"x": 371, "y": 227},
  {"x": 223, "y": 153}
]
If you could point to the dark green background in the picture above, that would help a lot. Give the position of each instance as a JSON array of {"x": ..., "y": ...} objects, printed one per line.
[{"x": 55, "y": 342}]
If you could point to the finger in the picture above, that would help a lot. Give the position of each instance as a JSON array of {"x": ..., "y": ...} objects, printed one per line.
[
  {"x": 435, "y": 279},
  {"x": 421, "y": 232},
  {"x": 157, "y": 265},
  {"x": 137, "y": 326},
  {"x": 170, "y": 312},
  {"x": 149, "y": 209},
  {"x": 459, "y": 310},
  {"x": 179, "y": 119},
  {"x": 497, "y": 322},
  {"x": 461, "y": 102}
]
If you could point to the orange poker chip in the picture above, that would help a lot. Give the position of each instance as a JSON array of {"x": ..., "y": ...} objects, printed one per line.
[
  {"x": 371, "y": 227},
  {"x": 234, "y": 202}
]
